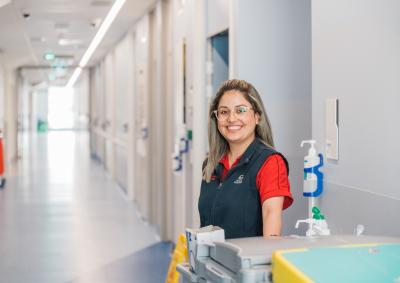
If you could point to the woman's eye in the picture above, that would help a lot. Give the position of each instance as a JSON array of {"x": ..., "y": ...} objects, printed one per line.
[
  {"x": 223, "y": 112},
  {"x": 241, "y": 110}
]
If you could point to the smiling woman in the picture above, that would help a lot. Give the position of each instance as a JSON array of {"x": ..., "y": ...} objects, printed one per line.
[{"x": 245, "y": 183}]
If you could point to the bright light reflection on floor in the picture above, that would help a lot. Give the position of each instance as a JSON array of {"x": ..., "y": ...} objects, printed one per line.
[
  {"x": 61, "y": 156},
  {"x": 61, "y": 103}
]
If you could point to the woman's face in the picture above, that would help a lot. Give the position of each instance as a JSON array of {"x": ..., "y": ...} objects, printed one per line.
[{"x": 236, "y": 118}]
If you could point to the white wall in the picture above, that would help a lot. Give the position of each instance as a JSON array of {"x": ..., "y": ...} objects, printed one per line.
[
  {"x": 81, "y": 101},
  {"x": 24, "y": 105},
  {"x": 108, "y": 114},
  {"x": 123, "y": 88},
  {"x": 217, "y": 16},
  {"x": 271, "y": 43},
  {"x": 160, "y": 157},
  {"x": 2, "y": 94},
  {"x": 123, "y": 92},
  {"x": 97, "y": 111},
  {"x": 11, "y": 119},
  {"x": 141, "y": 112},
  {"x": 199, "y": 99},
  {"x": 356, "y": 58}
]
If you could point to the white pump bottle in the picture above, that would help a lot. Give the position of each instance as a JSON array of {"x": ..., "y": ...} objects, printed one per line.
[
  {"x": 312, "y": 188},
  {"x": 311, "y": 160}
]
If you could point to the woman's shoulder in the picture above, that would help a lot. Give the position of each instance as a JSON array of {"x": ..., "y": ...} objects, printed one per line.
[
  {"x": 271, "y": 154},
  {"x": 279, "y": 159}
]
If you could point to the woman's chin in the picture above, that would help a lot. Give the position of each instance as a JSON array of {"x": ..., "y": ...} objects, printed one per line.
[{"x": 233, "y": 138}]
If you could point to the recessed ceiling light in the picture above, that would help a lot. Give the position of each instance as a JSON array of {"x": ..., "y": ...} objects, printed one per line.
[
  {"x": 69, "y": 42},
  {"x": 49, "y": 56}
]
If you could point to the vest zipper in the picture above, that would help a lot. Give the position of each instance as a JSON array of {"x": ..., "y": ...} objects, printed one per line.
[{"x": 220, "y": 185}]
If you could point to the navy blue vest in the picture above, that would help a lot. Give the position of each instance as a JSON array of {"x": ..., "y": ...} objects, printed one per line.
[{"x": 234, "y": 204}]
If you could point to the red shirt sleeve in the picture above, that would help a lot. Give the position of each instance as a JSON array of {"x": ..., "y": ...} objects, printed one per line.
[{"x": 272, "y": 180}]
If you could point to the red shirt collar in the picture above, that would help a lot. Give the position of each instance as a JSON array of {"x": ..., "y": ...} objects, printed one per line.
[{"x": 225, "y": 162}]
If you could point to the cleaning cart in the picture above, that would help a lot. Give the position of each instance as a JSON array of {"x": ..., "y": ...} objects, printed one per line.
[{"x": 266, "y": 260}]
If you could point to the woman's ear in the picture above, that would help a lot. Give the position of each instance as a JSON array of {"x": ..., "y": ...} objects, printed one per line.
[{"x": 257, "y": 118}]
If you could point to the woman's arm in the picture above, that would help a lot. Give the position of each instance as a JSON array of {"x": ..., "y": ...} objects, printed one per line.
[{"x": 272, "y": 216}]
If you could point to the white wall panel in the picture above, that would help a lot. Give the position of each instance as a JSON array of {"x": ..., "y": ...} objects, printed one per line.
[
  {"x": 200, "y": 107},
  {"x": 108, "y": 121},
  {"x": 142, "y": 173},
  {"x": 157, "y": 120},
  {"x": 92, "y": 110},
  {"x": 123, "y": 90},
  {"x": 98, "y": 112},
  {"x": 180, "y": 14},
  {"x": 217, "y": 16},
  {"x": 123, "y": 77},
  {"x": 2, "y": 94},
  {"x": 81, "y": 101},
  {"x": 11, "y": 118}
]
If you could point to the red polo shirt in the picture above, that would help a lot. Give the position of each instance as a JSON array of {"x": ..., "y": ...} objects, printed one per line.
[{"x": 272, "y": 179}]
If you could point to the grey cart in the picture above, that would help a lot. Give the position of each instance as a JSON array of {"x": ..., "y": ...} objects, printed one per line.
[{"x": 248, "y": 260}]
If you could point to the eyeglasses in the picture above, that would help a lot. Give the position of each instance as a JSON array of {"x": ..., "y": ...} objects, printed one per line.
[{"x": 224, "y": 113}]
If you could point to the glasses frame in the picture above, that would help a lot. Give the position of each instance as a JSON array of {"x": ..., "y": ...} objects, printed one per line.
[{"x": 230, "y": 111}]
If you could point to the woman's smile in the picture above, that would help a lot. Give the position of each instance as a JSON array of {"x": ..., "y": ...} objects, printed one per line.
[{"x": 234, "y": 128}]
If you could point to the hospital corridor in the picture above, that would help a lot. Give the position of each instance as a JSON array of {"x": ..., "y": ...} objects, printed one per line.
[{"x": 63, "y": 212}]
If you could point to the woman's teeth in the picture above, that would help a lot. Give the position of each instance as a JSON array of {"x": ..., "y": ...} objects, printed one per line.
[{"x": 234, "y": 128}]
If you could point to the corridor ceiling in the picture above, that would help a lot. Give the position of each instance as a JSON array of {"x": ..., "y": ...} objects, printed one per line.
[{"x": 29, "y": 29}]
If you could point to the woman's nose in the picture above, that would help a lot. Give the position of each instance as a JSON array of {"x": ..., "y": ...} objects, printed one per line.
[{"x": 232, "y": 116}]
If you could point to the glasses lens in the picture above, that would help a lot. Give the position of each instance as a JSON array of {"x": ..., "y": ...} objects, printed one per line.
[
  {"x": 241, "y": 110},
  {"x": 223, "y": 114}
]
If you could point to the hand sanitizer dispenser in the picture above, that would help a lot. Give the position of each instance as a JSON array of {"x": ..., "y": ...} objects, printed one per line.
[{"x": 312, "y": 188}]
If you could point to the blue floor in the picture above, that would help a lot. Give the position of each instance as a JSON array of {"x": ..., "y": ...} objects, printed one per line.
[{"x": 149, "y": 265}]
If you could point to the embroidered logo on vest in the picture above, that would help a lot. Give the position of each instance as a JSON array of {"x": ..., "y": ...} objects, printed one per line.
[{"x": 239, "y": 180}]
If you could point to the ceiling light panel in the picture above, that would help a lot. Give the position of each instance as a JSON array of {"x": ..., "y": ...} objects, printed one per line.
[{"x": 100, "y": 3}]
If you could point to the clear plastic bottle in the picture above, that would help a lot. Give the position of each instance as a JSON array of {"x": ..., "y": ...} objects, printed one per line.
[{"x": 313, "y": 178}]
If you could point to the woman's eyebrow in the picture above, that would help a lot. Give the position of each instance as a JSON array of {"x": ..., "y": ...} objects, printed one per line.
[{"x": 233, "y": 106}]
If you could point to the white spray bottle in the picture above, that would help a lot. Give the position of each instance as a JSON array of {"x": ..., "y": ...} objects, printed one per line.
[{"x": 312, "y": 188}]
